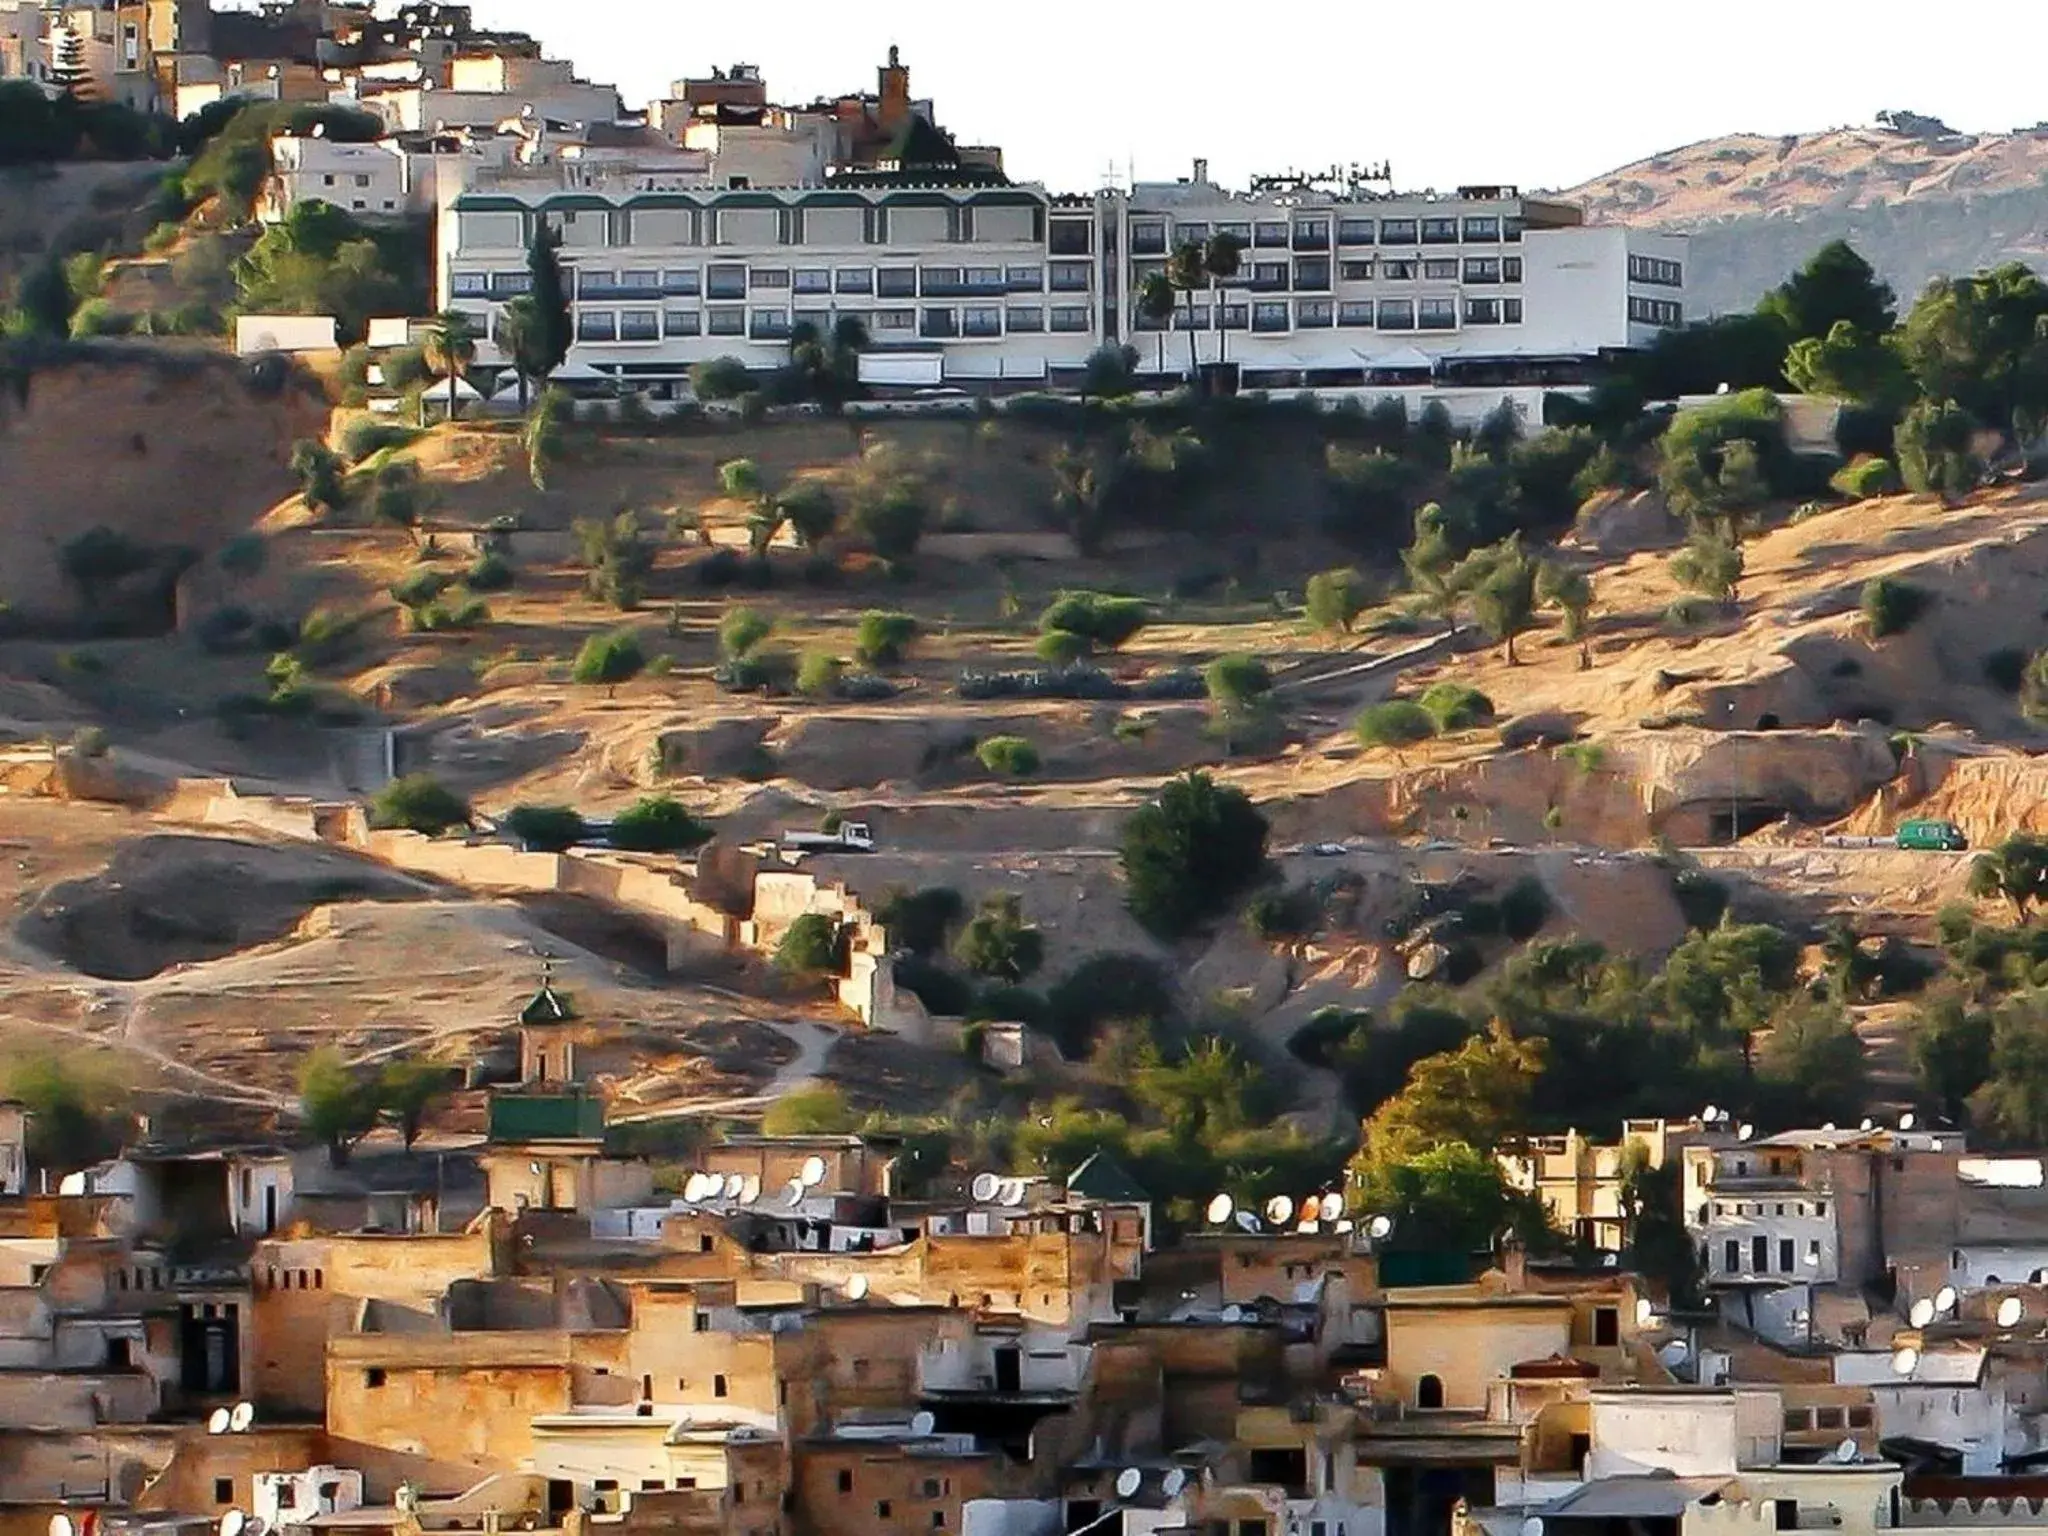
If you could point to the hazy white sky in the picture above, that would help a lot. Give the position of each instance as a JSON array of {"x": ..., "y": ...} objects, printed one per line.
[{"x": 1450, "y": 91}]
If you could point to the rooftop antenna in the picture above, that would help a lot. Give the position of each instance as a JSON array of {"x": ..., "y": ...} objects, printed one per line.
[
  {"x": 1128, "y": 1482},
  {"x": 857, "y": 1288},
  {"x": 2010, "y": 1311},
  {"x": 217, "y": 1421},
  {"x": 1221, "y": 1207},
  {"x": 241, "y": 1417},
  {"x": 985, "y": 1187}
]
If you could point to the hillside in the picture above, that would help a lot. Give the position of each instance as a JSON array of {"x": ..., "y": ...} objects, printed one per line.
[{"x": 1918, "y": 202}]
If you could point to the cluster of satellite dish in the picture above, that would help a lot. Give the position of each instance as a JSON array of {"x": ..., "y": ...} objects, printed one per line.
[
  {"x": 745, "y": 1189},
  {"x": 1941, "y": 1304},
  {"x": 994, "y": 1189},
  {"x": 1280, "y": 1214},
  {"x": 1715, "y": 1115},
  {"x": 231, "y": 1421},
  {"x": 235, "y": 1523},
  {"x": 1131, "y": 1479}
]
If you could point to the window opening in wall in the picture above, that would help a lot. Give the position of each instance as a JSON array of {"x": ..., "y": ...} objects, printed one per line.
[{"x": 1429, "y": 1392}]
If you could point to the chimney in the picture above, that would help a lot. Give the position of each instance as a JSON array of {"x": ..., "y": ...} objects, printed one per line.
[
  {"x": 895, "y": 93},
  {"x": 1201, "y": 172}
]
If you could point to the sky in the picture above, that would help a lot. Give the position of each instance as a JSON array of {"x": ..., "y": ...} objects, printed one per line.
[{"x": 1451, "y": 92}]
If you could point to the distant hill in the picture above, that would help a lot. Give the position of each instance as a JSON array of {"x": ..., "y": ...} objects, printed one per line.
[{"x": 1918, "y": 199}]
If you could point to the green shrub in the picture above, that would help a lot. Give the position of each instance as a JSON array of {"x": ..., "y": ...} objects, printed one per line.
[
  {"x": 883, "y": 638},
  {"x": 810, "y": 947},
  {"x": 97, "y": 317},
  {"x": 418, "y": 803},
  {"x": 1688, "y": 613},
  {"x": 741, "y": 631},
  {"x": 609, "y": 660},
  {"x": 1934, "y": 443},
  {"x": 489, "y": 572},
  {"x": 326, "y": 635},
  {"x": 818, "y": 674},
  {"x": 1334, "y": 599},
  {"x": 1186, "y": 855},
  {"x": 1456, "y": 707},
  {"x": 1396, "y": 723},
  {"x": 545, "y": 828},
  {"x": 1274, "y": 913},
  {"x": 658, "y": 824},
  {"x": 366, "y": 436},
  {"x": 1524, "y": 908},
  {"x": 418, "y": 586},
  {"x": 2005, "y": 669},
  {"x": 1060, "y": 647},
  {"x": 919, "y": 921},
  {"x": 244, "y": 555},
  {"x": 1011, "y": 756},
  {"x": 1865, "y": 476},
  {"x": 1104, "y": 623},
  {"x": 1890, "y": 607},
  {"x": 460, "y": 613}
]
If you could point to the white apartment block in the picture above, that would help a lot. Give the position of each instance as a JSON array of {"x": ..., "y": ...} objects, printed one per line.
[
  {"x": 982, "y": 284},
  {"x": 369, "y": 180},
  {"x": 1761, "y": 1216}
]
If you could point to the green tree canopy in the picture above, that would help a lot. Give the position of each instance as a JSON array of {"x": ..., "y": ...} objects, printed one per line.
[
  {"x": 1188, "y": 854},
  {"x": 1982, "y": 342},
  {"x": 998, "y": 943},
  {"x": 1835, "y": 287}
]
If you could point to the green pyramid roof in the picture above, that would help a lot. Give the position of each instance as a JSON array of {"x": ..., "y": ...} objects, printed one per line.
[
  {"x": 1102, "y": 1177},
  {"x": 547, "y": 1006}
]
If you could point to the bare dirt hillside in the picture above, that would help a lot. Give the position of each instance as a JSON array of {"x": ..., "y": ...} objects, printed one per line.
[
  {"x": 65, "y": 208},
  {"x": 1918, "y": 203}
]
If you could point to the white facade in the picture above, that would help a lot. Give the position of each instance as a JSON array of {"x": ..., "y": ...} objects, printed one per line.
[
  {"x": 1758, "y": 1220},
  {"x": 1004, "y": 284},
  {"x": 1691, "y": 1432},
  {"x": 13, "y": 1148},
  {"x": 368, "y": 180},
  {"x": 1946, "y": 1399},
  {"x": 297, "y": 1498}
]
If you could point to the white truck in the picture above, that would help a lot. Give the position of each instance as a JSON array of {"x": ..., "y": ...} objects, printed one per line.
[{"x": 852, "y": 837}]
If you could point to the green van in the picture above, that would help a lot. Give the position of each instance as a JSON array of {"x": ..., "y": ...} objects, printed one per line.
[{"x": 1932, "y": 837}]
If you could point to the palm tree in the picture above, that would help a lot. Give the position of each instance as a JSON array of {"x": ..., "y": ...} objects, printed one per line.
[
  {"x": 522, "y": 332},
  {"x": 1185, "y": 271},
  {"x": 1221, "y": 259},
  {"x": 451, "y": 348},
  {"x": 1157, "y": 302}
]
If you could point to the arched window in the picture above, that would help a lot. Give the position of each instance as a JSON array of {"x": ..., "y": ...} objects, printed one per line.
[{"x": 1429, "y": 1392}]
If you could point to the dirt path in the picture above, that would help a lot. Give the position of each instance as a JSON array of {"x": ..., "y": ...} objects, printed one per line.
[{"x": 814, "y": 1045}]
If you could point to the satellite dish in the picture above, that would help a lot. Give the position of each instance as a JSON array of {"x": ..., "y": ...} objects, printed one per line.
[
  {"x": 984, "y": 1187},
  {"x": 71, "y": 1184},
  {"x": 1906, "y": 1121},
  {"x": 1311, "y": 1210},
  {"x": 1744, "y": 1131},
  {"x": 1343, "y": 1226},
  {"x": 1533, "y": 1526},
  {"x": 1922, "y": 1313},
  {"x": 1128, "y": 1482},
  {"x": 693, "y": 1188},
  {"x": 733, "y": 1185},
  {"x": 242, "y": 1417},
  {"x": 1220, "y": 1209},
  {"x": 1279, "y": 1210},
  {"x": 857, "y": 1288},
  {"x": 1710, "y": 1114},
  {"x": 1379, "y": 1227},
  {"x": 233, "y": 1523},
  {"x": 1014, "y": 1192},
  {"x": 1173, "y": 1482},
  {"x": 922, "y": 1424},
  {"x": 1645, "y": 1310},
  {"x": 751, "y": 1190},
  {"x": 1868, "y": 1124},
  {"x": 1829, "y": 1126},
  {"x": 794, "y": 1195},
  {"x": 2010, "y": 1311},
  {"x": 1905, "y": 1361},
  {"x": 814, "y": 1171},
  {"x": 217, "y": 1422},
  {"x": 1333, "y": 1205},
  {"x": 1233, "y": 1313},
  {"x": 60, "y": 1525},
  {"x": 1248, "y": 1222},
  {"x": 1945, "y": 1299},
  {"x": 1674, "y": 1354},
  {"x": 1846, "y": 1452}
]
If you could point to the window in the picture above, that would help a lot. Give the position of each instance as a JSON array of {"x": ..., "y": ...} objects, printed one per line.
[
  {"x": 640, "y": 325},
  {"x": 511, "y": 283},
  {"x": 727, "y": 282},
  {"x": 1354, "y": 231},
  {"x": 1024, "y": 279},
  {"x": 1069, "y": 319},
  {"x": 1606, "y": 1327},
  {"x": 287, "y": 1496},
  {"x": 223, "y": 1490},
  {"x": 1487, "y": 228},
  {"x": 1312, "y": 274},
  {"x": 1760, "y": 1255},
  {"x": 896, "y": 320},
  {"x": 984, "y": 279},
  {"x": 769, "y": 277},
  {"x": 1827, "y": 1418},
  {"x": 1860, "y": 1418},
  {"x": 1268, "y": 233},
  {"x": 1070, "y": 237},
  {"x": 1482, "y": 269},
  {"x": 1024, "y": 317},
  {"x": 1397, "y": 315},
  {"x": 1438, "y": 314},
  {"x": 1398, "y": 271},
  {"x": 931, "y": 1487},
  {"x": 765, "y": 325},
  {"x": 1656, "y": 270},
  {"x": 1511, "y": 231},
  {"x": 1429, "y": 1391},
  {"x": 881, "y": 1509},
  {"x": 896, "y": 282},
  {"x": 704, "y": 1238},
  {"x": 939, "y": 281},
  {"x": 938, "y": 323},
  {"x": 726, "y": 322},
  {"x": 1269, "y": 317},
  {"x": 464, "y": 285},
  {"x": 1732, "y": 1255},
  {"x": 1397, "y": 231},
  {"x": 597, "y": 325},
  {"x": 1511, "y": 269},
  {"x": 981, "y": 320},
  {"x": 1482, "y": 311},
  {"x": 374, "y": 1377},
  {"x": 846, "y": 1480},
  {"x": 1355, "y": 271},
  {"x": 1311, "y": 234},
  {"x": 681, "y": 282},
  {"x": 938, "y": 1519},
  {"x": 1358, "y": 313},
  {"x": 1191, "y": 317},
  {"x": 1441, "y": 270},
  {"x": 1820, "y": 1208},
  {"x": 1313, "y": 312},
  {"x": 641, "y": 284},
  {"x": 1234, "y": 317},
  {"x": 1269, "y": 277},
  {"x": 591, "y": 283},
  {"x": 1069, "y": 277},
  {"x": 854, "y": 280},
  {"x": 1510, "y": 311},
  {"x": 1660, "y": 312},
  {"x": 1148, "y": 237},
  {"x": 718, "y": 1386},
  {"x": 1439, "y": 231},
  {"x": 813, "y": 280},
  {"x": 701, "y": 1322}
]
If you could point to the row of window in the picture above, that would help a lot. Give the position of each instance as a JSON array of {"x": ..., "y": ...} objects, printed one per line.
[
  {"x": 1311, "y": 274},
  {"x": 1801, "y": 1419},
  {"x": 1655, "y": 269},
  {"x": 1759, "y": 1256},
  {"x": 1769, "y": 1208},
  {"x": 737, "y": 281},
  {"x": 1655, "y": 311},
  {"x": 937, "y": 321},
  {"x": 1435, "y": 314},
  {"x": 1153, "y": 237}
]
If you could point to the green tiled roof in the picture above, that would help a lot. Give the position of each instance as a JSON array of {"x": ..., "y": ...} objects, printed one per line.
[
  {"x": 1102, "y": 1177},
  {"x": 546, "y": 1117}
]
